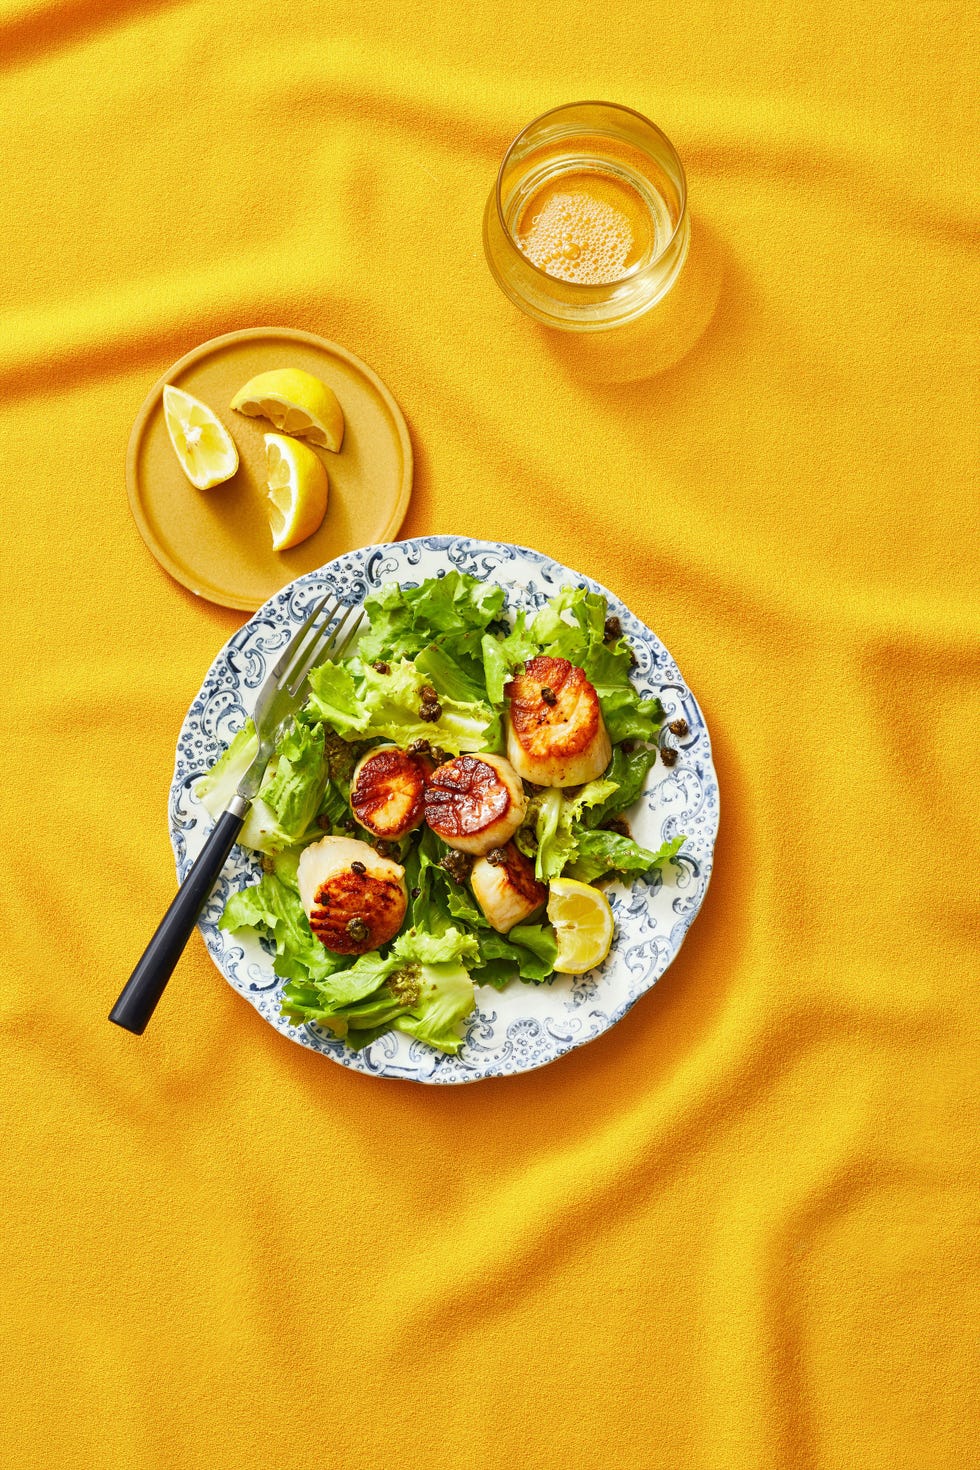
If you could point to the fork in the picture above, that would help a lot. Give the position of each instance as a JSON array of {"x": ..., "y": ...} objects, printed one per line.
[{"x": 281, "y": 695}]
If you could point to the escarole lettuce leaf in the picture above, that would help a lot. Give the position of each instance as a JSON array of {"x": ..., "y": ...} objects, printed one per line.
[
  {"x": 555, "y": 820},
  {"x": 503, "y": 653},
  {"x": 599, "y": 853},
  {"x": 421, "y": 986},
  {"x": 625, "y": 779},
  {"x": 558, "y": 831},
  {"x": 273, "y": 909},
  {"x": 450, "y": 677},
  {"x": 440, "y": 903},
  {"x": 453, "y": 611},
  {"x": 547, "y": 834},
  {"x": 217, "y": 788},
  {"x": 292, "y": 790},
  {"x": 296, "y": 781},
  {"x": 360, "y": 702},
  {"x": 444, "y": 999},
  {"x": 527, "y": 950}
]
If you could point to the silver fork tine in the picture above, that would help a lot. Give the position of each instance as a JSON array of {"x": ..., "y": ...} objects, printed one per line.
[
  {"x": 317, "y": 651},
  {"x": 273, "y": 691},
  {"x": 342, "y": 649},
  {"x": 301, "y": 636},
  {"x": 332, "y": 653}
]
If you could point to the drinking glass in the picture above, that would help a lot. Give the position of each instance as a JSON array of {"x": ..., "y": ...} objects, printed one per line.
[{"x": 587, "y": 230}]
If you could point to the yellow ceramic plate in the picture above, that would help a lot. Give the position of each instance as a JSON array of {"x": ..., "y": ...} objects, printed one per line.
[{"x": 217, "y": 542}]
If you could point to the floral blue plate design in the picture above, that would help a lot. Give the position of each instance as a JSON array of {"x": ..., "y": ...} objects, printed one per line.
[{"x": 524, "y": 1026}]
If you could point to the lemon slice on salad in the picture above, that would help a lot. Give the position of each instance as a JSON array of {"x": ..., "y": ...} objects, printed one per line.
[
  {"x": 201, "y": 442},
  {"x": 297, "y": 403},
  {"x": 298, "y": 489},
  {"x": 583, "y": 925}
]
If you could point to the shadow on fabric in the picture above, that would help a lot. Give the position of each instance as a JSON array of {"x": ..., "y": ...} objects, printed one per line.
[{"x": 663, "y": 337}]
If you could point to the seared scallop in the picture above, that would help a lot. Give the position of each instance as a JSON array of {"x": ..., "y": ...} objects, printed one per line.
[
  {"x": 387, "y": 791},
  {"x": 556, "y": 735},
  {"x": 505, "y": 887},
  {"x": 354, "y": 898},
  {"x": 475, "y": 802}
]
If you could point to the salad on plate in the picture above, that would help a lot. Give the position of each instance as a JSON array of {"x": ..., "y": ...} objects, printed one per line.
[{"x": 444, "y": 809}]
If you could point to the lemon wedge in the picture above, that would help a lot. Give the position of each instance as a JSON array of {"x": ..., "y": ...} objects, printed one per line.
[
  {"x": 583, "y": 924},
  {"x": 297, "y": 403},
  {"x": 201, "y": 442},
  {"x": 297, "y": 490}
]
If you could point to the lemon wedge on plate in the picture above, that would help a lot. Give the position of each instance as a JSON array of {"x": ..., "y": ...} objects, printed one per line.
[
  {"x": 297, "y": 403},
  {"x": 298, "y": 488},
  {"x": 583, "y": 925},
  {"x": 201, "y": 442}
]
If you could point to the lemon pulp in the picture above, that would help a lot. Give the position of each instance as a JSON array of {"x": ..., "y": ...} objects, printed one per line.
[
  {"x": 297, "y": 488},
  {"x": 297, "y": 403},
  {"x": 583, "y": 924},
  {"x": 201, "y": 442}
]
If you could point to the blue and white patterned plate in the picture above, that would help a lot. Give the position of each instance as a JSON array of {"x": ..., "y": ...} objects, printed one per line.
[{"x": 524, "y": 1026}]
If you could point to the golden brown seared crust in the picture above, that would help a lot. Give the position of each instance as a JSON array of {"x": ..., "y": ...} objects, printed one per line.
[
  {"x": 379, "y": 903},
  {"x": 520, "y": 873},
  {"x": 464, "y": 797},
  {"x": 388, "y": 793},
  {"x": 505, "y": 887},
  {"x": 553, "y": 730}
]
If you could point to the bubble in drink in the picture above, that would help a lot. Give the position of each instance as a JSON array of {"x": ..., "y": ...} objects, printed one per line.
[{"x": 586, "y": 227}]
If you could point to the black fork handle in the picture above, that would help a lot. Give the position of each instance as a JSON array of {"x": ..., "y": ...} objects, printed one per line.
[{"x": 139, "y": 996}]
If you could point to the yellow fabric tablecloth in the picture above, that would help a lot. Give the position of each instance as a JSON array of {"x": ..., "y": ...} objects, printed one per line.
[{"x": 740, "y": 1230}]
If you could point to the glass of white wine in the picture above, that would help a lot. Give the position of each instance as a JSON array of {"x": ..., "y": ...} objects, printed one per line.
[{"x": 587, "y": 227}]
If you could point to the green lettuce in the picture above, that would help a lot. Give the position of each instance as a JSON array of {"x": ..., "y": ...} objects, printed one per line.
[
  {"x": 451, "y": 677},
  {"x": 548, "y": 818},
  {"x": 334, "y": 812},
  {"x": 626, "y": 715},
  {"x": 593, "y": 793},
  {"x": 296, "y": 782},
  {"x": 359, "y": 702},
  {"x": 560, "y": 834},
  {"x": 421, "y": 986},
  {"x": 440, "y": 903},
  {"x": 555, "y": 820},
  {"x": 454, "y": 610},
  {"x": 272, "y": 908},
  {"x": 626, "y": 775},
  {"x": 289, "y": 798},
  {"x": 607, "y": 852},
  {"x": 445, "y": 999},
  {"x": 301, "y": 1003},
  {"x": 426, "y": 883},
  {"x": 503, "y": 654},
  {"x": 217, "y": 788},
  {"x": 431, "y": 949},
  {"x": 573, "y": 637},
  {"x": 528, "y": 951}
]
